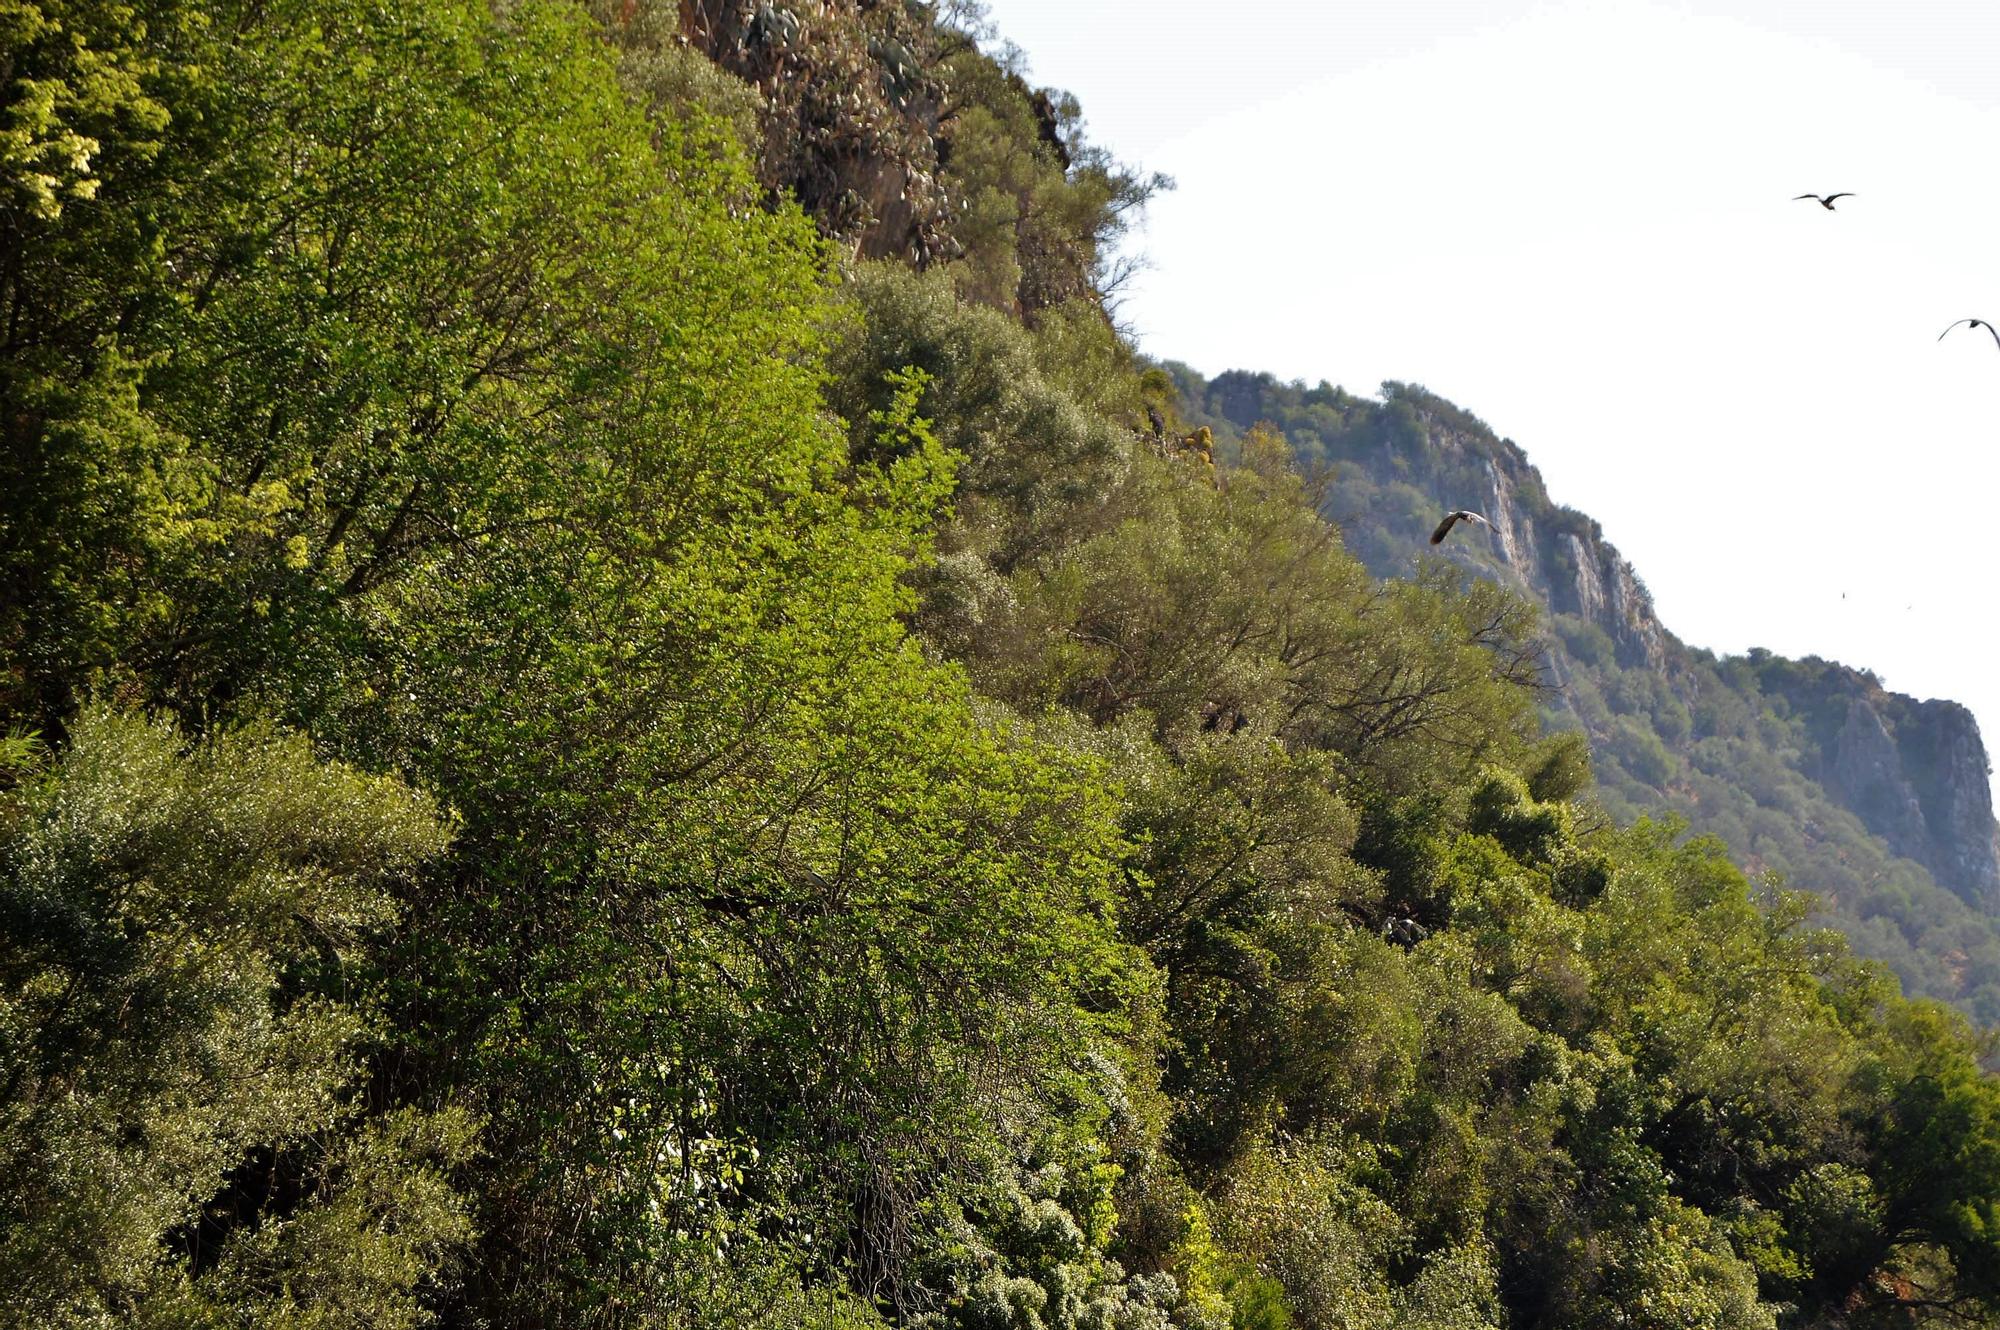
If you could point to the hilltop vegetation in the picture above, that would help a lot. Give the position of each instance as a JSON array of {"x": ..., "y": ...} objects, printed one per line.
[{"x": 617, "y": 716}]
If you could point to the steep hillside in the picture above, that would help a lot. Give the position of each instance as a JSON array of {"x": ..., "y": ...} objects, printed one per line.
[
  {"x": 1877, "y": 802},
  {"x": 657, "y": 735}
]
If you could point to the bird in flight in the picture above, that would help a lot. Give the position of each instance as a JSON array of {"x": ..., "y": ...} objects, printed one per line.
[
  {"x": 1824, "y": 200},
  {"x": 1977, "y": 323},
  {"x": 1451, "y": 519}
]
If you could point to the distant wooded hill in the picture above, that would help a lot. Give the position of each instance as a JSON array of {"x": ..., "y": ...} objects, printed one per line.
[{"x": 1877, "y": 802}]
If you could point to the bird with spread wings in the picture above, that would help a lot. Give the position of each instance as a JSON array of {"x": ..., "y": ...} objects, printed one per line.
[
  {"x": 1824, "y": 200},
  {"x": 1977, "y": 323},
  {"x": 1452, "y": 519}
]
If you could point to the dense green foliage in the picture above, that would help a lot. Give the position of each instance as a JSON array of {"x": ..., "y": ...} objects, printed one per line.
[
  {"x": 579, "y": 754},
  {"x": 175, "y": 933}
]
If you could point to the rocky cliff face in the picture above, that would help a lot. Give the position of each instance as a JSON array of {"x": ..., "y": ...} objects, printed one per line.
[
  {"x": 1913, "y": 773},
  {"x": 1952, "y": 780},
  {"x": 1921, "y": 784},
  {"x": 1556, "y": 555},
  {"x": 1866, "y": 771}
]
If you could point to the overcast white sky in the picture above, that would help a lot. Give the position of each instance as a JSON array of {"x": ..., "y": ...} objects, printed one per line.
[{"x": 1575, "y": 220}]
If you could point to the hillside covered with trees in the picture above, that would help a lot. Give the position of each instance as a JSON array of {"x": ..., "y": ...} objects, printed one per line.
[
  {"x": 1877, "y": 802},
  {"x": 623, "y": 707}
]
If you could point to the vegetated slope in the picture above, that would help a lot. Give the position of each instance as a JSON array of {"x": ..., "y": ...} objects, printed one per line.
[
  {"x": 576, "y": 751},
  {"x": 1870, "y": 799}
]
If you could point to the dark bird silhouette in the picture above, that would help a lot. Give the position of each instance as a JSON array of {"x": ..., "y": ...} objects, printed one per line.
[
  {"x": 1825, "y": 200},
  {"x": 1462, "y": 515},
  {"x": 1977, "y": 323}
]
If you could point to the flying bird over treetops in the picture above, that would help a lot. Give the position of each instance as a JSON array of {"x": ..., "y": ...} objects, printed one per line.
[
  {"x": 1451, "y": 519},
  {"x": 1977, "y": 323},
  {"x": 1825, "y": 200}
]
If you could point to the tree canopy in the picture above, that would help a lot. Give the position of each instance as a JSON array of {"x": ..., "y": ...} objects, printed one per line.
[{"x": 625, "y": 706}]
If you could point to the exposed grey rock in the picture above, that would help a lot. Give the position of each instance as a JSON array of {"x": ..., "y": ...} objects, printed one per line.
[
  {"x": 1961, "y": 809},
  {"x": 1944, "y": 764},
  {"x": 1589, "y": 602},
  {"x": 1866, "y": 774},
  {"x": 1509, "y": 524}
]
